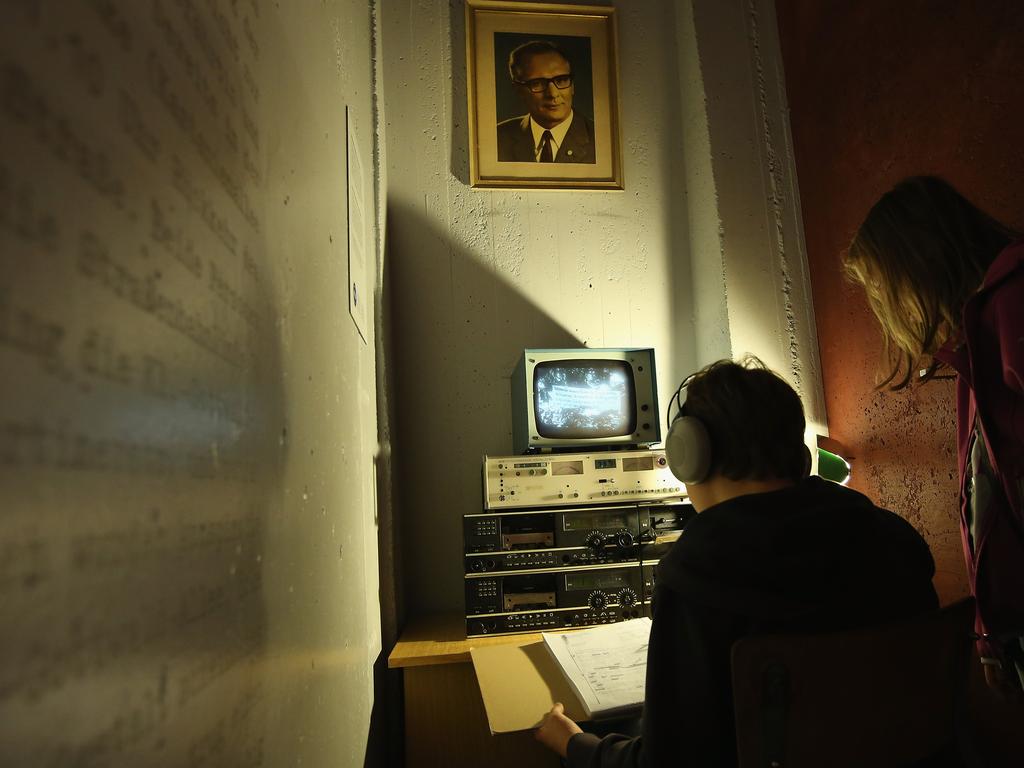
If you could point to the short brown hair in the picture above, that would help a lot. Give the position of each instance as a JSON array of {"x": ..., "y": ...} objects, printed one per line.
[
  {"x": 754, "y": 419},
  {"x": 920, "y": 253}
]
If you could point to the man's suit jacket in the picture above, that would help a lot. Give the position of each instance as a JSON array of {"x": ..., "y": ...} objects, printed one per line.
[{"x": 515, "y": 141}]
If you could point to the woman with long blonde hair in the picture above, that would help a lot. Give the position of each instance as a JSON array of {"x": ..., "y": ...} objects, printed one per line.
[{"x": 946, "y": 282}]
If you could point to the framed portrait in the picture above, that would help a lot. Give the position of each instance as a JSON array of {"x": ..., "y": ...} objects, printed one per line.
[{"x": 543, "y": 98}]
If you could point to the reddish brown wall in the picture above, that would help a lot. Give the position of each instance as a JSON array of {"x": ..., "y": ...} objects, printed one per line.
[{"x": 879, "y": 90}]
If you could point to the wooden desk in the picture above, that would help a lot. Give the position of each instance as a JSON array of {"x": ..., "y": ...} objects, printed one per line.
[{"x": 445, "y": 721}]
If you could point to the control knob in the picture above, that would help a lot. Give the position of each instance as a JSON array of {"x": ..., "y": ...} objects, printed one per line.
[
  {"x": 624, "y": 539},
  {"x": 595, "y": 540},
  {"x": 627, "y": 597},
  {"x": 598, "y": 601}
]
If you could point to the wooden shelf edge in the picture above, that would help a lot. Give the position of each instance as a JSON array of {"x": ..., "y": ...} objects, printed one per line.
[{"x": 441, "y": 639}]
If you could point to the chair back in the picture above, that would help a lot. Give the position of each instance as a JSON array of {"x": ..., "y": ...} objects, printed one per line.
[{"x": 880, "y": 697}]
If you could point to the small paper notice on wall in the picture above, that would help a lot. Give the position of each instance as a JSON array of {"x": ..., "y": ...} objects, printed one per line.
[{"x": 359, "y": 294}]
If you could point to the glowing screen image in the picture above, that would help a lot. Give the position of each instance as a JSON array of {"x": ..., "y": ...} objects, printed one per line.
[{"x": 584, "y": 398}]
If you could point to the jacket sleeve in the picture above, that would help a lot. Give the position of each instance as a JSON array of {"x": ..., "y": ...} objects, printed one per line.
[
  {"x": 687, "y": 718},
  {"x": 1008, "y": 317}
]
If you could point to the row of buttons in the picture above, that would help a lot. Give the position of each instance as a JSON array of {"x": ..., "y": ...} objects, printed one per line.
[
  {"x": 609, "y": 617},
  {"x": 578, "y": 620},
  {"x": 643, "y": 490},
  {"x": 532, "y": 621},
  {"x": 531, "y": 558},
  {"x": 589, "y": 557}
]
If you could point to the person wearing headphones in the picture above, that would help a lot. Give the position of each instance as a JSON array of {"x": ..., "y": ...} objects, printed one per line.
[{"x": 771, "y": 550}]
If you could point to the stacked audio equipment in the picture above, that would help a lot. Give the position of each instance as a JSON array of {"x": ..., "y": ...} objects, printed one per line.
[{"x": 569, "y": 539}]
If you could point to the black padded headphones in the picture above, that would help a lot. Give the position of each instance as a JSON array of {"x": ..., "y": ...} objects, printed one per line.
[{"x": 688, "y": 445}]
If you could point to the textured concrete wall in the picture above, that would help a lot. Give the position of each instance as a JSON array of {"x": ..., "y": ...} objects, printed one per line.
[
  {"x": 188, "y": 560},
  {"x": 701, "y": 255},
  {"x": 751, "y": 288},
  {"x": 879, "y": 91},
  {"x": 474, "y": 277}
]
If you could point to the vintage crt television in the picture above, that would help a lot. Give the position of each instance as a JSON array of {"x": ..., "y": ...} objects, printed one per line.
[{"x": 566, "y": 399}]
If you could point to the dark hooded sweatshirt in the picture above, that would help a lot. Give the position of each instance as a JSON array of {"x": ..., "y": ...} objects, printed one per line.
[{"x": 811, "y": 558}]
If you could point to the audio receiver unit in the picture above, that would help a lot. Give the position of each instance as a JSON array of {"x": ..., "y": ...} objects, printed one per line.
[
  {"x": 574, "y": 479},
  {"x": 539, "y": 569},
  {"x": 542, "y": 600},
  {"x": 521, "y": 540}
]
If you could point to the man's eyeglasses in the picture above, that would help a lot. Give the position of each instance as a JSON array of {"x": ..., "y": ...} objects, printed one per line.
[{"x": 540, "y": 84}]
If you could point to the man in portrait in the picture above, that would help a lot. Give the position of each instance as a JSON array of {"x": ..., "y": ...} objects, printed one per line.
[{"x": 550, "y": 132}]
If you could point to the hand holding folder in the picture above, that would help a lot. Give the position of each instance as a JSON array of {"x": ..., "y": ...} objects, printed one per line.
[{"x": 595, "y": 673}]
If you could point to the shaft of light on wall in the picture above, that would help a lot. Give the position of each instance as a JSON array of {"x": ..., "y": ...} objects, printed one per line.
[{"x": 833, "y": 467}]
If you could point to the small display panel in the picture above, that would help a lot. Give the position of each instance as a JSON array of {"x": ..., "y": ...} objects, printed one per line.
[
  {"x": 525, "y": 523},
  {"x": 604, "y": 464},
  {"x": 539, "y": 583},
  {"x": 641, "y": 464},
  {"x": 582, "y": 399},
  {"x": 578, "y": 582},
  {"x": 567, "y": 468},
  {"x": 576, "y": 522}
]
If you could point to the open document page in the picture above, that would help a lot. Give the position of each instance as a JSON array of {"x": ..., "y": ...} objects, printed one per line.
[{"x": 606, "y": 666}]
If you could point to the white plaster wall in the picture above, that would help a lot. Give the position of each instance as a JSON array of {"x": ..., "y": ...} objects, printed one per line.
[
  {"x": 322, "y": 596},
  {"x": 751, "y": 282},
  {"x": 477, "y": 276},
  {"x": 701, "y": 256},
  {"x": 706, "y": 279},
  {"x": 188, "y": 555}
]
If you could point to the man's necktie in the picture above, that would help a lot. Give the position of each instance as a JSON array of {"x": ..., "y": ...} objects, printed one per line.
[{"x": 545, "y": 148}]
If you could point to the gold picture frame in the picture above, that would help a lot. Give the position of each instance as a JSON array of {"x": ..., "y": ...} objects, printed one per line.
[{"x": 512, "y": 50}]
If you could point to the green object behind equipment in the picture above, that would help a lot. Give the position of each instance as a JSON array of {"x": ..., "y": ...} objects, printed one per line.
[{"x": 833, "y": 467}]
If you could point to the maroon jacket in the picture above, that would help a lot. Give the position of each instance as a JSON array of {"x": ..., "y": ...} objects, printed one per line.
[{"x": 989, "y": 361}]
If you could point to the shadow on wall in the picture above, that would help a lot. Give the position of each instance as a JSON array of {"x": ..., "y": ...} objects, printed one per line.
[
  {"x": 447, "y": 380},
  {"x": 458, "y": 328},
  {"x": 385, "y": 744}
]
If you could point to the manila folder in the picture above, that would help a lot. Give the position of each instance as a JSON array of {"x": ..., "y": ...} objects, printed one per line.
[{"x": 519, "y": 684}]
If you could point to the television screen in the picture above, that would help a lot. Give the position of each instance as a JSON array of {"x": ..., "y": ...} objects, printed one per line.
[{"x": 581, "y": 399}]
